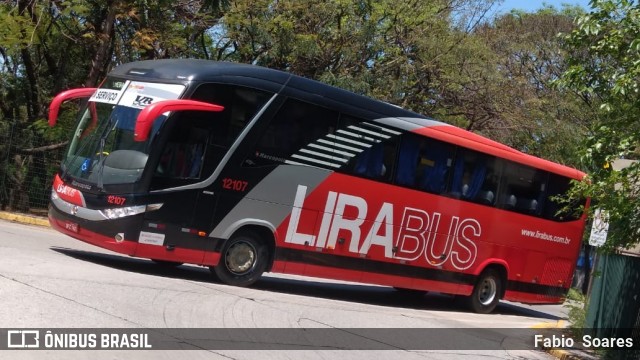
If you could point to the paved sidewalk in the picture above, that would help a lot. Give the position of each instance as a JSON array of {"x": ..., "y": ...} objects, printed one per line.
[{"x": 570, "y": 354}]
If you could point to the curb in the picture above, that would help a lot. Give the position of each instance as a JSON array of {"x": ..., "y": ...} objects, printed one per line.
[
  {"x": 560, "y": 324},
  {"x": 561, "y": 353},
  {"x": 24, "y": 219}
]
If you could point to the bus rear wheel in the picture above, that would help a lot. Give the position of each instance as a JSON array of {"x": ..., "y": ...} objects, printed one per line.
[
  {"x": 486, "y": 292},
  {"x": 243, "y": 260}
]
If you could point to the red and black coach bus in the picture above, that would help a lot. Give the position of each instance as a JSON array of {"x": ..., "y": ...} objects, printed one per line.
[{"x": 246, "y": 169}]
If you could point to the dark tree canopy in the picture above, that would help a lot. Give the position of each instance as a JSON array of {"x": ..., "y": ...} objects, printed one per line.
[{"x": 454, "y": 60}]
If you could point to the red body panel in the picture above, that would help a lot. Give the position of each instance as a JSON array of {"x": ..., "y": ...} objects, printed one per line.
[
  {"x": 67, "y": 193},
  {"x": 93, "y": 238},
  {"x": 461, "y": 239}
]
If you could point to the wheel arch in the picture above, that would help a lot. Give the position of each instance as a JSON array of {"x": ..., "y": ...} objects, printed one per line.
[{"x": 501, "y": 267}]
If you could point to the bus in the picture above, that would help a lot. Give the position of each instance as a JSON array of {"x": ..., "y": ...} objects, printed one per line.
[{"x": 247, "y": 170}]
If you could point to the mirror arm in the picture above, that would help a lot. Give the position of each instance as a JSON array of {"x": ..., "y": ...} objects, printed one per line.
[
  {"x": 54, "y": 107},
  {"x": 150, "y": 113}
]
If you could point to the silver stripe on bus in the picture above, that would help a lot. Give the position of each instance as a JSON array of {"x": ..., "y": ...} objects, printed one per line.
[
  {"x": 307, "y": 151},
  {"x": 408, "y": 123},
  {"x": 387, "y": 130},
  {"x": 79, "y": 211},
  {"x": 315, "y": 160},
  {"x": 244, "y": 222},
  {"x": 324, "y": 141},
  {"x": 294, "y": 163},
  {"x": 357, "y": 136},
  {"x": 353, "y": 127},
  {"x": 290, "y": 162},
  {"x": 314, "y": 145},
  {"x": 271, "y": 199},
  {"x": 349, "y": 140}
]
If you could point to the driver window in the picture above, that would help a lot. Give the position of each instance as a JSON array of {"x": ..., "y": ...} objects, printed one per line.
[
  {"x": 183, "y": 154},
  {"x": 196, "y": 141}
]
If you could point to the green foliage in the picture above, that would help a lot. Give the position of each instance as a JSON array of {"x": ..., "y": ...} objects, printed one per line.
[
  {"x": 523, "y": 95},
  {"x": 496, "y": 78},
  {"x": 604, "y": 67},
  {"x": 442, "y": 58},
  {"x": 577, "y": 305}
]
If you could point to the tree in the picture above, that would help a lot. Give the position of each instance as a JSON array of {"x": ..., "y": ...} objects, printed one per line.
[
  {"x": 518, "y": 102},
  {"x": 604, "y": 66},
  {"x": 48, "y": 46},
  {"x": 444, "y": 58}
]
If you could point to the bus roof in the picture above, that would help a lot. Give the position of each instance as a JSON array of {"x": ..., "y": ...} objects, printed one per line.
[{"x": 196, "y": 70}]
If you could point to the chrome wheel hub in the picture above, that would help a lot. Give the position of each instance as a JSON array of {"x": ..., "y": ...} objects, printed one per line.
[
  {"x": 488, "y": 290},
  {"x": 240, "y": 258}
]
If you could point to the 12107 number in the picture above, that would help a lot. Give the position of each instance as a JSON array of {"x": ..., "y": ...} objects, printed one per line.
[{"x": 233, "y": 184}]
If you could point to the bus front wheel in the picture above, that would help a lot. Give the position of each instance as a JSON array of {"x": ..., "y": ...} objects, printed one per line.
[
  {"x": 486, "y": 292},
  {"x": 243, "y": 260}
]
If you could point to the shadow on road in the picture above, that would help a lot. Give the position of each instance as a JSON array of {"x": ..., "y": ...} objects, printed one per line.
[{"x": 366, "y": 294}]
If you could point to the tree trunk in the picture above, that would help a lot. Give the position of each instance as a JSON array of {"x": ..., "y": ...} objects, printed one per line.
[{"x": 102, "y": 55}]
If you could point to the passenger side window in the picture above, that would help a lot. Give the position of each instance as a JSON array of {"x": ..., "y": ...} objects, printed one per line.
[
  {"x": 183, "y": 154},
  {"x": 424, "y": 163},
  {"x": 523, "y": 189},
  {"x": 475, "y": 177},
  {"x": 240, "y": 105},
  {"x": 553, "y": 209},
  {"x": 371, "y": 148}
]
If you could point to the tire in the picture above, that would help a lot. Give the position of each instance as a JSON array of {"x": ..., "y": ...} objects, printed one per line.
[
  {"x": 243, "y": 260},
  {"x": 167, "y": 264},
  {"x": 486, "y": 292}
]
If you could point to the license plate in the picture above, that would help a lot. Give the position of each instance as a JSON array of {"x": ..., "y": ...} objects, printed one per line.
[{"x": 71, "y": 226}]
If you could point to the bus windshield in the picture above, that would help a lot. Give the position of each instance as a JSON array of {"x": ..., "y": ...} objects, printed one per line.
[{"x": 102, "y": 149}]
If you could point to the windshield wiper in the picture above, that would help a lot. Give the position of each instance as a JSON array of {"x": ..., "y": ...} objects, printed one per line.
[{"x": 102, "y": 158}]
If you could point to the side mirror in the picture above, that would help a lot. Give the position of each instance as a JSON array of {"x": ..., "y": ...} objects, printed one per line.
[
  {"x": 151, "y": 112},
  {"x": 54, "y": 108}
]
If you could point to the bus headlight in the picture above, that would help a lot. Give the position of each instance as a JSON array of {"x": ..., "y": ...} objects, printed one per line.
[{"x": 116, "y": 213}]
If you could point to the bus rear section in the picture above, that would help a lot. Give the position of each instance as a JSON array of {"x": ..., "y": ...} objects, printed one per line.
[{"x": 411, "y": 211}]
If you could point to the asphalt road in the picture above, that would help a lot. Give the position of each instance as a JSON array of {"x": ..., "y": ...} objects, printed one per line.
[{"x": 48, "y": 280}]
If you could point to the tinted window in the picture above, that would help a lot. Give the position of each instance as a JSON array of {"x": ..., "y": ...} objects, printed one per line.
[
  {"x": 371, "y": 148},
  {"x": 475, "y": 177},
  {"x": 523, "y": 189},
  {"x": 298, "y": 135},
  {"x": 553, "y": 209},
  {"x": 424, "y": 163},
  {"x": 240, "y": 104},
  {"x": 198, "y": 139}
]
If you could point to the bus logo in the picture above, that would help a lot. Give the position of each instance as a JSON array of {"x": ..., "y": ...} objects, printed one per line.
[
  {"x": 421, "y": 234},
  {"x": 20, "y": 339},
  {"x": 142, "y": 100}
]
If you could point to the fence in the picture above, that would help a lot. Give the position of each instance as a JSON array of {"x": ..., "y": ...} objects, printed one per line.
[
  {"x": 614, "y": 305},
  {"x": 28, "y": 162}
]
